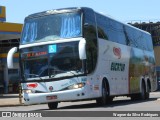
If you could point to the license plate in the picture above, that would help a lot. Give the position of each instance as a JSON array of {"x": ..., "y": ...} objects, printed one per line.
[{"x": 51, "y": 97}]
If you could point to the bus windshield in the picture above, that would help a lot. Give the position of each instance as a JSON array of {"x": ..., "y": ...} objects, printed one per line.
[
  {"x": 63, "y": 62},
  {"x": 51, "y": 27}
]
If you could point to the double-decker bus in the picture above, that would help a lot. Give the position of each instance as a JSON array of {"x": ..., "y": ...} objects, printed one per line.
[{"x": 78, "y": 54}]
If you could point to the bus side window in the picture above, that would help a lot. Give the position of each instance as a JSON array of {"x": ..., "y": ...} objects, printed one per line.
[
  {"x": 101, "y": 34},
  {"x": 90, "y": 34},
  {"x": 101, "y": 26}
]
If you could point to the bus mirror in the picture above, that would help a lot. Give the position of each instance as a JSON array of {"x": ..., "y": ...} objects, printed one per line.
[
  {"x": 10, "y": 57},
  {"x": 82, "y": 49}
]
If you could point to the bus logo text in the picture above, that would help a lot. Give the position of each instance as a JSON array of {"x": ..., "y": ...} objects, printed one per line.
[{"x": 117, "y": 66}]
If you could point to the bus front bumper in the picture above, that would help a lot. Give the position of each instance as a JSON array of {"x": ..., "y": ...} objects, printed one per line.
[{"x": 60, "y": 96}]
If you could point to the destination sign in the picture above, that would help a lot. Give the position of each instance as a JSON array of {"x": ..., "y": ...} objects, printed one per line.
[{"x": 35, "y": 54}]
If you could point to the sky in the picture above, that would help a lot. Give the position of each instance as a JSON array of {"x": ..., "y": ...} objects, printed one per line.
[{"x": 122, "y": 10}]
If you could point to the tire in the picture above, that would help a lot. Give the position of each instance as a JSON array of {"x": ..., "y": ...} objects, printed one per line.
[
  {"x": 103, "y": 100},
  {"x": 53, "y": 105},
  {"x": 148, "y": 91},
  {"x": 110, "y": 99},
  {"x": 135, "y": 97},
  {"x": 142, "y": 95}
]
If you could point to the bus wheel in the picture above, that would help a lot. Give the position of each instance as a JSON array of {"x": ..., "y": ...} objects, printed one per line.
[
  {"x": 142, "y": 95},
  {"x": 103, "y": 100},
  {"x": 147, "y": 91},
  {"x": 110, "y": 99},
  {"x": 53, "y": 105}
]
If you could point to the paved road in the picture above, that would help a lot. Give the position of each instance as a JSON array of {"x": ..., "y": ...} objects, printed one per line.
[{"x": 119, "y": 104}]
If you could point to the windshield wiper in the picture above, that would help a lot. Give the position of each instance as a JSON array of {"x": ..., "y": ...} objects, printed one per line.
[
  {"x": 62, "y": 72},
  {"x": 35, "y": 75}
]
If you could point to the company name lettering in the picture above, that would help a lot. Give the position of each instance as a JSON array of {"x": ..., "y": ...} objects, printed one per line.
[{"x": 117, "y": 66}]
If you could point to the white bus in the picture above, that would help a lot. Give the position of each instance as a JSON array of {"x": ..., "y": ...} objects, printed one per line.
[{"x": 78, "y": 54}]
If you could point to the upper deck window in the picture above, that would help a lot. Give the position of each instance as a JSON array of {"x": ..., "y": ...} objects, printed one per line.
[{"x": 51, "y": 27}]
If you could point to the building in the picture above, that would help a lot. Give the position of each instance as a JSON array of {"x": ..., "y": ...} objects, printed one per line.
[
  {"x": 9, "y": 37},
  {"x": 154, "y": 29}
]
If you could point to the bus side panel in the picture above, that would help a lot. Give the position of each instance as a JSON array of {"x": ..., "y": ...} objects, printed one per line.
[
  {"x": 113, "y": 62},
  {"x": 142, "y": 65},
  {"x": 150, "y": 69},
  {"x": 153, "y": 75},
  {"x": 136, "y": 70}
]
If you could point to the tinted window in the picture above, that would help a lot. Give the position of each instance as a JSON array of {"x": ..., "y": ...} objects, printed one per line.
[
  {"x": 101, "y": 25},
  {"x": 138, "y": 39},
  {"x": 90, "y": 35},
  {"x": 110, "y": 29},
  {"x": 51, "y": 27},
  {"x": 115, "y": 31}
]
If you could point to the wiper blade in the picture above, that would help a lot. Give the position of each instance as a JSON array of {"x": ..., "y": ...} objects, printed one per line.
[
  {"x": 34, "y": 75},
  {"x": 54, "y": 73},
  {"x": 62, "y": 71}
]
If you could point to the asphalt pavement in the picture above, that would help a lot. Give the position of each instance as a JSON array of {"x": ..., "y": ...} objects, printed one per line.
[{"x": 8, "y": 100}]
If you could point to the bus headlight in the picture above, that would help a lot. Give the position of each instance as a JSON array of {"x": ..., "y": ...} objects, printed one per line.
[
  {"x": 76, "y": 86},
  {"x": 27, "y": 91}
]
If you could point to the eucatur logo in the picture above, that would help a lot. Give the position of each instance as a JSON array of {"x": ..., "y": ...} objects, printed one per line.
[{"x": 117, "y": 52}]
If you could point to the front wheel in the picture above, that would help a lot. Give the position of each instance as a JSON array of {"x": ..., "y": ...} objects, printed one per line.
[
  {"x": 53, "y": 105},
  {"x": 103, "y": 100}
]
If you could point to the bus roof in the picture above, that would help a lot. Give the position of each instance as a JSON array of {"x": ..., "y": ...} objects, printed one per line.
[{"x": 54, "y": 11}]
